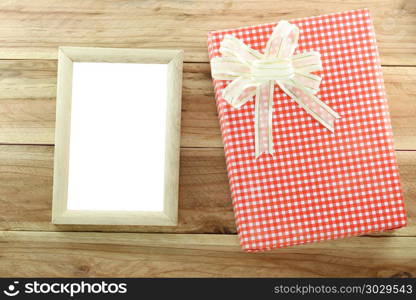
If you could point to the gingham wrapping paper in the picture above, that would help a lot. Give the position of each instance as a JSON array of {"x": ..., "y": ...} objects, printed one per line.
[{"x": 319, "y": 185}]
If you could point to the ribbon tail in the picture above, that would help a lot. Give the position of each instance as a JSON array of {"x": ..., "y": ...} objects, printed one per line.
[
  {"x": 312, "y": 104},
  {"x": 263, "y": 119},
  {"x": 239, "y": 91}
]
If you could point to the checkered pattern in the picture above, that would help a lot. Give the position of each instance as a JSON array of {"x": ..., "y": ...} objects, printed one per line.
[{"x": 318, "y": 185}]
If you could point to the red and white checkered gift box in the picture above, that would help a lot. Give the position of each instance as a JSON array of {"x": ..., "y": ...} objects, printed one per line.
[{"x": 318, "y": 185}]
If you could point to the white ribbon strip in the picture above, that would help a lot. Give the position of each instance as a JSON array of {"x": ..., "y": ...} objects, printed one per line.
[{"x": 255, "y": 74}]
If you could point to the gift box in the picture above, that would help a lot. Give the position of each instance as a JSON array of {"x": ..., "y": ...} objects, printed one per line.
[{"x": 306, "y": 130}]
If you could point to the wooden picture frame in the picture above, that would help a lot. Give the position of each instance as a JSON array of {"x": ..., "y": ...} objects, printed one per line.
[{"x": 67, "y": 56}]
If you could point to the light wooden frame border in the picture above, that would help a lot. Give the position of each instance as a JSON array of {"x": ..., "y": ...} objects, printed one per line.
[{"x": 66, "y": 57}]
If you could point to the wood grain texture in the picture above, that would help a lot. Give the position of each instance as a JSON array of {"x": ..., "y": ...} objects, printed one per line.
[
  {"x": 38, "y": 27},
  {"x": 72, "y": 254},
  {"x": 27, "y": 93},
  {"x": 28, "y": 88},
  {"x": 204, "y": 196},
  {"x": 401, "y": 92}
]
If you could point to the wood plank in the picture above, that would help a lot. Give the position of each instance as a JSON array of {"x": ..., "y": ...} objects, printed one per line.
[
  {"x": 401, "y": 92},
  {"x": 28, "y": 88},
  {"x": 38, "y": 27},
  {"x": 69, "y": 254},
  {"x": 26, "y": 193},
  {"x": 204, "y": 196}
]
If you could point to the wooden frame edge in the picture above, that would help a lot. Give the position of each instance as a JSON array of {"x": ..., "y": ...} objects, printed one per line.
[
  {"x": 127, "y": 55},
  {"x": 62, "y": 134},
  {"x": 98, "y": 217},
  {"x": 173, "y": 131}
]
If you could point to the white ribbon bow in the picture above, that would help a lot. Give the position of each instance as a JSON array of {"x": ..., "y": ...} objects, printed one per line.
[{"x": 255, "y": 74}]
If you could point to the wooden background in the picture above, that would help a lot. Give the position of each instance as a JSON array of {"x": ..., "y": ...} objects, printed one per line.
[{"x": 204, "y": 243}]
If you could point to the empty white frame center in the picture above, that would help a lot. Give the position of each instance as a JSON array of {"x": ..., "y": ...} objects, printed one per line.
[{"x": 117, "y": 136}]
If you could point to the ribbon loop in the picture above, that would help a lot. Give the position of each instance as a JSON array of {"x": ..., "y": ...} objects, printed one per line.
[
  {"x": 283, "y": 41},
  {"x": 255, "y": 74}
]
